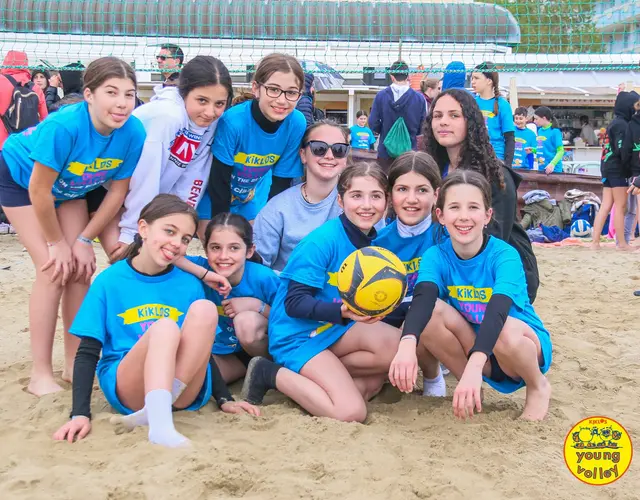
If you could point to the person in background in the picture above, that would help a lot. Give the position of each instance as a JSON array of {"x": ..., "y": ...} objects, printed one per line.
[
  {"x": 587, "y": 134},
  {"x": 170, "y": 59},
  {"x": 305, "y": 104},
  {"x": 526, "y": 141},
  {"x": 454, "y": 77},
  {"x": 634, "y": 166},
  {"x": 550, "y": 148},
  {"x": 71, "y": 78},
  {"x": 397, "y": 101},
  {"x": 361, "y": 136},
  {"x": 48, "y": 84},
  {"x": 15, "y": 64},
  {"x": 429, "y": 89}
]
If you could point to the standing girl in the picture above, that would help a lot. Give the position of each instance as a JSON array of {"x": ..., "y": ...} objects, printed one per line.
[
  {"x": 496, "y": 111},
  {"x": 471, "y": 310},
  {"x": 413, "y": 181},
  {"x": 334, "y": 360},
  {"x": 293, "y": 214},
  {"x": 244, "y": 309},
  {"x": 361, "y": 136},
  {"x": 153, "y": 328},
  {"x": 256, "y": 142},
  {"x": 176, "y": 158},
  {"x": 49, "y": 180},
  {"x": 550, "y": 149}
]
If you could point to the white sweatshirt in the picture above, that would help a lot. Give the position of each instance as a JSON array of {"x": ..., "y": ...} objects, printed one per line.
[{"x": 176, "y": 157}]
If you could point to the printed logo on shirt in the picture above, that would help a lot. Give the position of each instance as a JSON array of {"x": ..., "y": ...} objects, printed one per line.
[
  {"x": 488, "y": 114},
  {"x": 320, "y": 329},
  {"x": 254, "y": 160},
  {"x": 99, "y": 165},
  {"x": 412, "y": 267},
  {"x": 148, "y": 312},
  {"x": 183, "y": 149},
  {"x": 472, "y": 302},
  {"x": 332, "y": 278}
]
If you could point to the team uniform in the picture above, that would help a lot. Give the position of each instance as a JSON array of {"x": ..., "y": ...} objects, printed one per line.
[
  {"x": 257, "y": 281},
  {"x": 549, "y": 141},
  {"x": 315, "y": 263},
  {"x": 410, "y": 251},
  {"x": 498, "y": 125},
  {"x": 257, "y": 155},
  {"x": 525, "y": 138},
  {"x": 467, "y": 285},
  {"x": 68, "y": 143},
  {"x": 362, "y": 137},
  {"x": 176, "y": 158},
  {"x": 120, "y": 307}
]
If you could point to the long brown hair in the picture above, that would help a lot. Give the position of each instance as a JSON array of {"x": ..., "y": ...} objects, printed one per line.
[
  {"x": 488, "y": 69},
  {"x": 100, "y": 70}
]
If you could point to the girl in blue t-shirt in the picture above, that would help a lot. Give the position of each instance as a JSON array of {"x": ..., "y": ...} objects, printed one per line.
[
  {"x": 244, "y": 307},
  {"x": 255, "y": 147},
  {"x": 361, "y": 136},
  {"x": 496, "y": 111},
  {"x": 329, "y": 360},
  {"x": 471, "y": 310},
  {"x": 49, "y": 175},
  {"x": 414, "y": 179},
  {"x": 550, "y": 148},
  {"x": 153, "y": 327}
]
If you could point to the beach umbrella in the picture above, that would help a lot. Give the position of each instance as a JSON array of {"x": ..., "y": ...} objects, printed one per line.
[{"x": 324, "y": 76}]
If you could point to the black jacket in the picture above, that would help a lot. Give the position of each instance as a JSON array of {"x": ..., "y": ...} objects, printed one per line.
[
  {"x": 51, "y": 97},
  {"x": 305, "y": 106},
  {"x": 634, "y": 137},
  {"x": 616, "y": 151}
]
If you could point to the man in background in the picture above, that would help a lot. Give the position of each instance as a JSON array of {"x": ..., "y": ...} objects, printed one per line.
[
  {"x": 170, "y": 60},
  {"x": 587, "y": 134}
]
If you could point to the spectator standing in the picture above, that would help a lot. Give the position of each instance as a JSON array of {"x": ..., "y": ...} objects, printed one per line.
[
  {"x": 587, "y": 134},
  {"x": 170, "y": 60}
]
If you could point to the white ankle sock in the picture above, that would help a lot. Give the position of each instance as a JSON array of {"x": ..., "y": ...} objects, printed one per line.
[
  {"x": 161, "y": 429},
  {"x": 435, "y": 387},
  {"x": 140, "y": 417}
]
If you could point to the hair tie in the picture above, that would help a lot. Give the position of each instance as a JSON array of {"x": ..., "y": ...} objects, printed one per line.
[{"x": 137, "y": 239}]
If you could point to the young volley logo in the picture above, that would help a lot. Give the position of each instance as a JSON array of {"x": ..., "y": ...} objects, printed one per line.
[{"x": 598, "y": 450}]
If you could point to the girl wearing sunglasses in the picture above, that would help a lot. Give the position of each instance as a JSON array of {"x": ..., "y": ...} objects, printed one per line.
[
  {"x": 293, "y": 214},
  {"x": 255, "y": 148}
]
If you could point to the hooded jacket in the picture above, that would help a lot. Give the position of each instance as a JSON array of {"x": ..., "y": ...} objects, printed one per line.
[
  {"x": 634, "y": 137},
  {"x": 305, "y": 104},
  {"x": 15, "y": 58},
  {"x": 616, "y": 150},
  {"x": 455, "y": 75},
  {"x": 389, "y": 105},
  {"x": 176, "y": 157}
]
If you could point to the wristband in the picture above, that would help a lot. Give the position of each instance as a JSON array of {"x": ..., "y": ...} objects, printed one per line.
[
  {"x": 82, "y": 239},
  {"x": 221, "y": 401},
  {"x": 409, "y": 336},
  {"x": 262, "y": 308},
  {"x": 204, "y": 275}
]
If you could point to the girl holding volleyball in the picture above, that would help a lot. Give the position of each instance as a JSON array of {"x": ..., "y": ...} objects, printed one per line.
[
  {"x": 328, "y": 359},
  {"x": 413, "y": 181},
  {"x": 50, "y": 177},
  {"x": 471, "y": 308}
]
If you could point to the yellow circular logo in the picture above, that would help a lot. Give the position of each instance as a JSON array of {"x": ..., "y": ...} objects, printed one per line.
[{"x": 598, "y": 450}]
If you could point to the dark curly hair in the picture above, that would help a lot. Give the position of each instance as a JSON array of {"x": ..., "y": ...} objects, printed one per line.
[{"x": 476, "y": 153}]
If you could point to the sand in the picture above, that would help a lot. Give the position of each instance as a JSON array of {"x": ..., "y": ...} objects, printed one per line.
[{"x": 410, "y": 447}]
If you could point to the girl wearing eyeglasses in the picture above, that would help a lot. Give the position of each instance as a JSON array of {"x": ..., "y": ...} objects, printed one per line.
[
  {"x": 293, "y": 214},
  {"x": 255, "y": 148}
]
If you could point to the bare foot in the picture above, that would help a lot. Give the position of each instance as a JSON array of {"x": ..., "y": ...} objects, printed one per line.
[
  {"x": 536, "y": 403},
  {"x": 67, "y": 375},
  {"x": 40, "y": 387},
  {"x": 625, "y": 248},
  {"x": 595, "y": 246}
]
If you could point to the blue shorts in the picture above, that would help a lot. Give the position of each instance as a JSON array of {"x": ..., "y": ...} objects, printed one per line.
[
  {"x": 107, "y": 382},
  {"x": 204, "y": 207},
  {"x": 615, "y": 182}
]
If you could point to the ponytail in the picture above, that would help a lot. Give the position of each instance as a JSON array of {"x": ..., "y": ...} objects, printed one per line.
[
  {"x": 134, "y": 248},
  {"x": 496, "y": 107}
]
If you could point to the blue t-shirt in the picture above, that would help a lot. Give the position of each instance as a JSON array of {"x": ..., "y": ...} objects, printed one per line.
[
  {"x": 467, "y": 285},
  {"x": 525, "y": 138},
  {"x": 67, "y": 142},
  {"x": 254, "y": 154},
  {"x": 362, "y": 137},
  {"x": 497, "y": 125},
  {"x": 315, "y": 262},
  {"x": 258, "y": 281},
  {"x": 549, "y": 140},
  {"x": 122, "y": 304}
]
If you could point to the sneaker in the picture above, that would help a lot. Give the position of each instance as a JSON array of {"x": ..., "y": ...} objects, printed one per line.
[
  {"x": 12, "y": 230},
  {"x": 4, "y": 228}
]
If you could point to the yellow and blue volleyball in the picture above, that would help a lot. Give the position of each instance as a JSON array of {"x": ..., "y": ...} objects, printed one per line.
[{"x": 372, "y": 281}]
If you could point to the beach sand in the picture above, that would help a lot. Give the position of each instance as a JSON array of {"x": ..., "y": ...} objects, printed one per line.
[{"x": 409, "y": 447}]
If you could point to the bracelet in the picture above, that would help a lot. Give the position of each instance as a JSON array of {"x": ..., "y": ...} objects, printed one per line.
[
  {"x": 82, "y": 239},
  {"x": 223, "y": 400},
  {"x": 262, "y": 308},
  {"x": 409, "y": 336},
  {"x": 204, "y": 275}
]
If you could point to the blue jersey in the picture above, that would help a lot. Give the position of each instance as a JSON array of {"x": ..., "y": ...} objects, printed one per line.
[
  {"x": 467, "y": 285},
  {"x": 315, "y": 262},
  {"x": 549, "y": 140},
  {"x": 120, "y": 307},
  {"x": 362, "y": 137},
  {"x": 255, "y": 155},
  {"x": 257, "y": 281},
  {"x": 497, "y": 125},
  {"x": 67, "y": 142},
  {"x": 525, "y": 138}
]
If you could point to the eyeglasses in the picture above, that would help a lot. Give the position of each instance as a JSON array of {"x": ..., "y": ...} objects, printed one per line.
[
  {"x": 275, "y": 92},
  {"x": 320, "y": 148}
]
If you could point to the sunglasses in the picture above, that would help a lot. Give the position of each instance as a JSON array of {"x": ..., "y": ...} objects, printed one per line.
[
  {"x": 164, "y": 58},
  {"x": 320, "y": 148}
]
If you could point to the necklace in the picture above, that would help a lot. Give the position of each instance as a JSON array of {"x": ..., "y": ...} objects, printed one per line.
[{"x": 304, "y": 193}]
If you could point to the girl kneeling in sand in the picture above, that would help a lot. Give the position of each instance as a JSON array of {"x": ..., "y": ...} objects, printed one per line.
[
  {"x": 334, "y": 360},
  {"x": 471, "y": 310},
  {"x": 153, "y": 326}
]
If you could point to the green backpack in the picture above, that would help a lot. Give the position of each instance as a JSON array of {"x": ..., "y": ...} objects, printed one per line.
[{"x": 398, "y": 140}]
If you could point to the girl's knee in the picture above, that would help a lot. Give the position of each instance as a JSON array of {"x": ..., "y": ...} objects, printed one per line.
[
  {"x": 203, "y": 311},
  {"x": 249, "y": 327},
  {"x": 355, "y": 411},
  {"x": 511, "y": 337},
  {"x": 165, "y": 330}
]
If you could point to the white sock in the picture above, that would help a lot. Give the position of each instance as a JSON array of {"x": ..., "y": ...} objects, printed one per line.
[
  {"x": 140, "y": 417},
  {"x": 435, "y": 387},
  {"x": 161, "y": 429},
  {"x": 444, "y": 369}
]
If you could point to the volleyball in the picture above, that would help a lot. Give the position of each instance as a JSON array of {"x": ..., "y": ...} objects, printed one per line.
[
  {"x": 581, "y": 229},
  {"x": 372, "y": 281}
]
